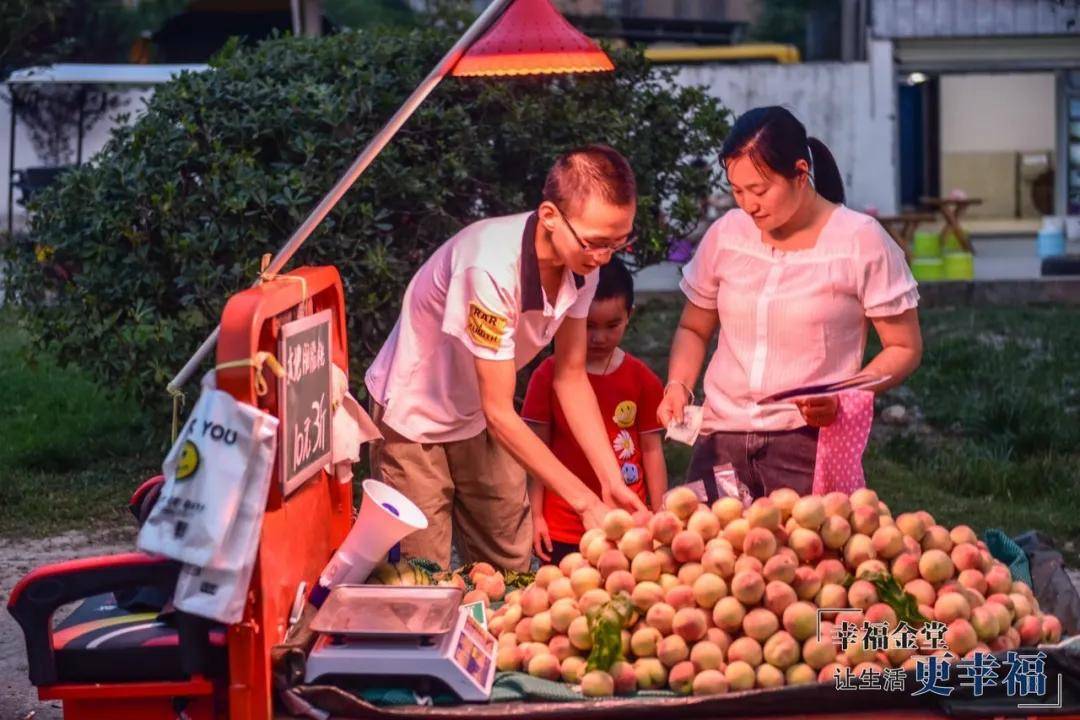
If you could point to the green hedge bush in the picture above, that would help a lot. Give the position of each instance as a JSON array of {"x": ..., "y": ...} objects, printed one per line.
[{"x": 174, "y": 215}]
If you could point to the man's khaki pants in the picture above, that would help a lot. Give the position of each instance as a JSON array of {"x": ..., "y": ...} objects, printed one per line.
[{"x": 473, "y": 484}]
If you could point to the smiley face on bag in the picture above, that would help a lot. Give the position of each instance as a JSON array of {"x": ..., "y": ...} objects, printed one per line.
[{"x": 188, "y": 462}]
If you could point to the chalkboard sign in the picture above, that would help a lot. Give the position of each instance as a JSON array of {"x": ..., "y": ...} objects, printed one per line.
[{"x": 304, "y": 399}]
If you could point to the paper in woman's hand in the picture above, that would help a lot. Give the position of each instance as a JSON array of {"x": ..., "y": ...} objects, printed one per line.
[{"x": 686, "y": 431}]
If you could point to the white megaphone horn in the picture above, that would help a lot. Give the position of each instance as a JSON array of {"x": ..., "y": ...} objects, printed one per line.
[{"x": 386, "y": 516}]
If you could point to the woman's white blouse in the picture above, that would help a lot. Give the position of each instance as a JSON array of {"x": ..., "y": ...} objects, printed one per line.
[{"x": 789, "y": 319}]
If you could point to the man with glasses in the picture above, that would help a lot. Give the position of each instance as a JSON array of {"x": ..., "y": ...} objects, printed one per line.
[{"x": 482, "y": 306}]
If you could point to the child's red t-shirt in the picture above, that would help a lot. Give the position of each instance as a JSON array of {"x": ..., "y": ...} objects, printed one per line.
[{"x": 628, "y": 398}]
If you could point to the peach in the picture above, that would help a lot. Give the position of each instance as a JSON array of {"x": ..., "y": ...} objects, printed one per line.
[
  {"x": 819, "y": 653},
  {"x": 1051, "y": 629},
  {"x": 562, "y": 613},
  {"x": 508, "y": 659},
  {"x": 831, "y": 672},
  {"x": 928, "y": 520},
  {"x": 862, "y": 594},
  {"x": 809, "y": 512},
  {"x": 837, "y": 504},
  {"x": 579, "y": 634},
  {"x": 888, "y": 542},
  {"x": 573, "y": 669},
  {"x": 763, "y": 513},
  {"x": 660, "y": 616},
  {"x": 748, "y": 587},
  {"x": 719, "y": 561},
  {"x": 646, "y": 594},
  {"x": 708, "y": 589},
  {"x": 644, "y": 640},
  {"x": 545, "y": 666},
  {"x": 778, "y": 596},
  {"x": 963, "y": 534},
  {"x": 641, "y": 518},
  {"x": 667, "y": 582},
  {"x": 480, "y": 568},
  {"x": 806, "y": 544},
  {"x": 523, "y": 628},
  {"x": 667, "y": 560},
  {"x": 831, "y": 595},
  {"x": 749, "y": 563},
  {"x": 479, "y": 596},
  {"x": 881, "y": 613},
  {"x": 561, "y": 648},
  {"x": 664, "y": 526},
  {"x": 740, "y": 676},
  {"x": 1022, "y": 588},
  {"x": 911, "y": 546},
  {"x": 871, "y": 668},
  {"x": 546, "y": 575},
  {"x": 911, "y": 525},
  {"x": 706, "y": 656},
  {"x": 1002, "y": 616},
  {"x": 690, "y": 624},
  {"x": 620, "y": 581},
  {"x": 864, "y": 497},
  {"x": 616, "y": 523},
  {"x": 593, "y": 598},
  {"x": 644, "y": 567},
  {"x": 493, "y": 585},
  {"x": 636, "y": 540},
  {"x": 779, "y": 568},
  {"x": 1022, "y": 606},
  {"x": 832, "y": 571},
  {"x": 704, "y": 523},
  {"x": 960, "y": 637},
  {"x": 952, "y": 606},
  {"x": 689, "y": 573},
  {"x": 680, "y": 596},
  {"x": 864, "y": 520},
  {"x": 935, "y": 566},
  {"x": 596, "y": 550},
  {"x": 760, "y": 624},
  {"x": 999, "y": 580},
  {"x": 540, "y": 629},
  {"x": 858, "y": 652},
  {"x": 681, "y": 678},
  {"x": 610, "y": 561},
  {"x": 687, "y": 546},
  {"x": 727, "y": 509},
  {"x": 835, "y": 532},
  {"x": 651, "y": 673},
  {"x": 869, "y": 569},
  {"x": 922, "y": 591},
  {"x": 560, "y": 589},
  {"x": 710, "y": 682},
  {"x": 746, "y": 649},
  {"x": 728, "y": 614},
  {"x": 572, "y": 562},
  {"x": 966, "y": 556},
  {"x": 718, "y": 543},
  {"x": 905, "y": 568},
  {"x": 534, "y": 601},
  {"x": 1030, "y": 628},
  {"x": 785, "y": 499},
  {"x": 937, "y": 538},
  {"x": 781, "y": 650},
  {"x": 597, "y": 683},
  {"x": 672, "y": 650},
  {"x": 622, "y": 674},
  {"x": 759, "y": 543},
  {"x": 769, "y": 676},
  {"x": 985, "y": 622},
  {"x": 973, "y": 580},
  {"x": 927, "y": 611},
  {"x": 800, "y": 674},
  {"x": 588, "y": 537},
  {"x": 807, "y": 582},
  {"x": 682, "y": 502},
  {"x": 858, "y": 549},
  {"x": 735, "y": 531}
]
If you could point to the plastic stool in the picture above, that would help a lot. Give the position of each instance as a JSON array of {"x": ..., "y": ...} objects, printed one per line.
[
  {"x": 959, "y": 266},
  {"x": 926, "y": 244},
  {"x": 928, "y": 269}
]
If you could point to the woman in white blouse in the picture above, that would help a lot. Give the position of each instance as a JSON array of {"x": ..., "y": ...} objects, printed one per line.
[{"x": 793, "y": 279}]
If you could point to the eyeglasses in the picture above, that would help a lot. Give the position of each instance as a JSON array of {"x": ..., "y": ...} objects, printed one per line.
[{"x": 599, "y": 249}]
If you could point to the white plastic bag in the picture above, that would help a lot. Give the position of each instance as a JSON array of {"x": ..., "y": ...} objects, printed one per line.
[
  {"x": 217, "y": 475},
  {"x": 687, "y": 431},
  {"x": 215, "y": 594}
]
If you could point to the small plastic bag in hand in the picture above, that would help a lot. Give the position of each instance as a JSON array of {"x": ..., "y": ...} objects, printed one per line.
[{"x": 687, "y": 431}]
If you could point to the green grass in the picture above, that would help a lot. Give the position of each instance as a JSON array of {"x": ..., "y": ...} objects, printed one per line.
[
  {"x": 998, "y": 443},
  {"x": 70, "y": 452}
]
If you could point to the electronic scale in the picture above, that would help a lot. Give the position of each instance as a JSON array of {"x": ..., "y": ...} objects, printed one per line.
[{"x": 416, "y": 633}]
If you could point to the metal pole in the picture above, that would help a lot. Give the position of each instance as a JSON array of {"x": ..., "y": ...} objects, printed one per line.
[
  {"x": 359, "y": 165},
  {"x": 11, "y": 168},
  {"x": 82, "y": 114}
]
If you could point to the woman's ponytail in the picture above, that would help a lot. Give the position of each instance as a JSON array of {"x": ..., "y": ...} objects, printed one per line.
[{"x": 827, "y": 180}]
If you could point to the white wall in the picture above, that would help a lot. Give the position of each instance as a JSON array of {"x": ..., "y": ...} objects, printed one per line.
[
  {"x": 997, "y": 113},
  {"x": 850, "y": 106},
  {"x": 25, "y": 155}
]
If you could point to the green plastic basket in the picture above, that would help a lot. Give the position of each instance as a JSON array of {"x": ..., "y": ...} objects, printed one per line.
[
  {"x": 959, "y": 266},
  {"x": 928, "y": 269},
  {"x": 951, "y": 243},
  {"x": 926, "y": 244}
]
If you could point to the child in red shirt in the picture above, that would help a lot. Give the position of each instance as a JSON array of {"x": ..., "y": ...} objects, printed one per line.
[{"x": 628, "y": 393}]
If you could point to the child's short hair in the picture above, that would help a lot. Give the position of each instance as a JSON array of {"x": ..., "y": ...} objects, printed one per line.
[{"x": 615, "y": 282}]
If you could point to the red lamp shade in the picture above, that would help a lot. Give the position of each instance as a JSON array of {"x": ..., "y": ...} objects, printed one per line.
[{"x": 532, "y": 38}]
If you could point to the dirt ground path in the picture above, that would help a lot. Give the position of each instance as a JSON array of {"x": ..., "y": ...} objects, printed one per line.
[{"x": 18, "y": 699}]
